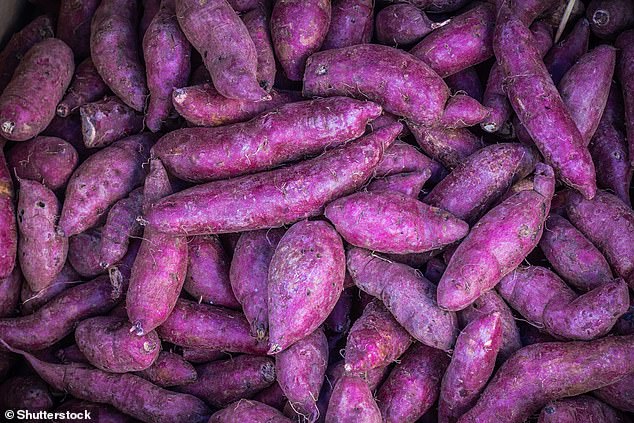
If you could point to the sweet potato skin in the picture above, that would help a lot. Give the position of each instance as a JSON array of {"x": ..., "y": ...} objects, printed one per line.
[
  {"x": 73, "y": 24},
  {"x": 246, "y": 411},
  {"x": 351, "y": 23},
  {"x": 106, "y": 121},
  {"x": 421, "y": 228},
  {"x": 85, "y": 87},
  {"x": 625, "y": 72},
  {"x": 100, "y": 412},
  {"x": 25, "y": 393},
  {"x": 557, "y": 370},
  {"x": 257, "y": 23},
  {"x": 565, "y": 53},
  {"x": 401, "y": 24},
  {"x": 306, "y": 276},
  {"x": 169, "y": 369},
  {"x": 41, "y": 78},
  {"x": 121, "y": 224},
  {"x": 200, "y": 355},
  {"x": 211, "y": 207},
  {"x": 462, "y": 111},
  {"x": 396, "y": 80},
  {"x": 84, "y": 253},
  {"x": 285, "y": 134},
  {"x": 8, "y": 226},
  {"x": 569, "y": 410},
  {"x": 607, "y": 18},
  {"x": 450, "y": 147},
  {"x": 619, "y": 394},
  {"x": 401, "y": 157},
  {"x": 409, "y": 184},
  {"x": 352, "y": 401},
  {"x": 413, "y": 385},
  {"x": 10, "y": 287},
  {"x": 467, "y": 81}
]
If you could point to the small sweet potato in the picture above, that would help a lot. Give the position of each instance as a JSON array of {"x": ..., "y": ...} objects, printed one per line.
[
  {"x": 257, "y": 22},
  {"x": 401, "y": 157},
  {"x": 246, "y": 411},
  {"x": 84, "y": 253},
  {"x": 98, "y": 412},
  {"x": 565, "y": 53},
  {"x": 466, "y": 81},
  {"x": 86, "y": 87},
  {"x": 106, "y": 121},
  {"x": 306, "y": 276},
  {"x": 402, "y": 24},
  {"x": 200, "y": 355},
  {"x": 69, "y": 129},
  {"x": 169, "y": 369},
  {"x": 609, "y": 17},
  {"x": 450, "y": 147},
  {"x": 10, "y": 288},
  {"x": 121, "y": 224},
  {"x": 351, "y": 23},
  {"x": 620, "y": 394},
  {"x": 352, "y": 402},
  {"x": 273, "y": 396},
  {"x": 25, "y": 393},
  {"x": 462, "y": 111},
  {"x": 73, "y": 24},
  {"x": 32, "y": 301},
  {"x": 582, "y": 408},
  {"x": 409, "y": 184}
]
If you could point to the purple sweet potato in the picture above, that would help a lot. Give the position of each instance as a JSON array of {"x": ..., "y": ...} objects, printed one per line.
[
  {"x": 541, "y": 373},
  {"x": 402, "y": 24},
  {"x": 98, "y": 412},
  {"x": 497, "y": 244},
  {"x": 257, "y": 23},
  {"x": 169, "y": 369},
  {"x": 352, "y": 402},
  {"x": 273, "y": 396},
  {"x": 21, "y": 42},
  {"x": 489, "y": 303},
  {"x": 463, "y": 42},
  {"x": 401, "y": 157},
  {"x": 108, "y": 120},
  {"x": 25, "y": 393},
  {"x": 109, "y": 345},
  {"x": 413, "y": 385},
  {"x": 545, "y": 115},
  {"x": 434, "y": 268},
  {"x": 375, "y": 340},
  {"x": 113, "y": 48},
  {"x": 69, "y": 129},
  {"x": 70, "y": 354},
  {"x": 104, "y": 178},
  {"x": 566, "y": 52},
  {"x": 167, "y": 63},
  {"x": 398, "y": 224},
  {"x": 209, "y": 327},
  {"x": 471, "y": 366},
  {"x": 546, "y": 301},
  {"x": 339, "y": 319},
  {"x": 8, "y": 227},
  {"x": 245, "y": 411},
  {"x": 610, "y": 17},
  {"x": 585, "y": 88},
  {"x": 306, "y": 276},
  {"x": 73, "y": 24},
  {"x": 462, "y": 111},
  {"x": 620, "y": 394},
  {"x": 48, "y": 160},
  {"x": 296, "y": 39},
  {"x": 481, "y": 179},
  {"x": 38, "y": 330},
  {"x": 625, "y": 73},
  {"x": 573, "y": 256},
  {"x": 409, "y": 184},
  {"x": 207, "y": 278},
  {"x": 466, "y": 81},
  {"x": 285, "y": 134},
  {"x": 351, "y": 23},
  {"x": 26, "y": 104},
  {"x": 447, "y": 146},
  {"x": 228, "y": 52},
  {"x": 84, "y": 250},
  {"x": 582, "y": 408},
  {"x": 220, "y": 383},
  {"x": 150, "y": 9},
  {"x": 412, "y": 301},
  {"x": 300, "y": 371},
  {"x": 42, "y": 249},
  {"x": 121, "y": 224},
  {"x": 201, "y": 355},
  {"x": 128, "y": 393},
  {"x": 86, "y": 86},
  {"x": 210, "y": 208},
  {"x": 10, "y": 288},
  {"x": 396, "y": 80},
  {"x": 32, "y": 301}
]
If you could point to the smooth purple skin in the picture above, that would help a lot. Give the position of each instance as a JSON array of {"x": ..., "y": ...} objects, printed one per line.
[
  {"x": 489, "y": 303},
  {"x": 84, "y": 250},
  {"x": 106, "y": 121},
  {"x": 169, "y": 369},
  {"x": 10, "y": 288},
  {"x": 109, "y": 345},
  {"x": 73, "y": 25},
  {"x": 401, "y": 157},
  {"x": 249, "y": 273},
  {"x": 411, "y": 300},
  {"x": 210, "y": 208},
  {"x": 481, "y": 179},
  {"x": 200, "y": 355},
  {"x": 398, "y": 224},
  {"x": 121, "y": 225},
  {"x": 609, "y": 224},
  {"x": 100, "y": 181},
  {"x": 409, "y": 184},
  {"x": 246, "y": 411},
  {"x": 462, "y": 111},
  {"x": 27, "y": 104},
  {"x": 86, "y": 87},
  {"x": 412, "y": 387},
  {"x": 98, "y": 412},
  {"x": 113, "y": 48},
  {"x": 288, "y": 133},
  {"x": 42, "y": 249},
  {"x": 466, "y": 81},
  {"x": 497, "y": 244},
  {"x": 229, "y": 53},
  {"x": 450, "y": 147},
  {"x": 541, "y": 373},
  {"x": 464, "y": 42},
  {"x": 25, "y": 393},
  {"x": 573, "y": 256},
  {"x": 625, "y": 74},
  {"x": 545, "y": 115},
  {"x": 207, "y": 278},
  {"x": 257, "y": 23},
  {"x": 351, "y": 23},
  {"x": 298, "y": 29},
  {"x": 610, "y": 17},
  {"x": 402, "y": 24},
  {"x": 581, "y": 408},
  {"x": 608, "y": 148},
  {"x": 21, "y": 42},
  {"x": 351, "y": 401},
  {"x": 585, "y": 88},
  {"x": 339, "y": 319},
  {"x": 375, "y": 340},
  {"x": 8, "y": 226},
  {"x": 471, "y": 366},
  {"x": 398, "y": 81},
  {"x": 166, "y": 52},
  {"x": 566, "y": 52},
  {"x": 620, "y": 394},
  {"x": 273, "y": 396},
  {"x": 300, "y": 371},
  {"x": 37, "y": 331},
  {"x": 209, "y": 327},
  {"x": 306, "y": 276},
  {"x": 70, "y": 354}
]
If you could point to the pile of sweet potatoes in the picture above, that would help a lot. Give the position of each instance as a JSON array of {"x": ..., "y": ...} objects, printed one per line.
[{"x": 338, "y": 211}]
